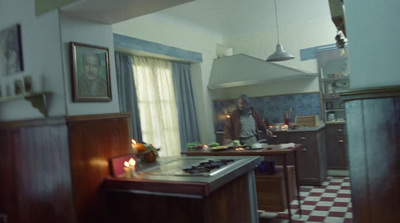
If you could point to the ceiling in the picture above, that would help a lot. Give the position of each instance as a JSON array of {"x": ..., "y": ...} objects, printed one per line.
[
  {"x": 236, "y": 17},
  {"x": 218, "y": 17}
]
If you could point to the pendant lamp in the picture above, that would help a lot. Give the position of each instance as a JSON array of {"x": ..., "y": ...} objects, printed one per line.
[{"x": 279, "y": 54}]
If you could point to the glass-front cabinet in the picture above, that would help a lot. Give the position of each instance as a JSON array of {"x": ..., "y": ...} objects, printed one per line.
[
  {"x": 334, "y": 75},
  {"x": 334, "y": 78}
]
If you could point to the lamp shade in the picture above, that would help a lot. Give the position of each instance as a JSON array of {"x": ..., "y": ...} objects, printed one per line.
[{"x": 280, "y": 55}]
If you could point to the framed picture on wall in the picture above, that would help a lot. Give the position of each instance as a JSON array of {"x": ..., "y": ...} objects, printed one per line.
[
  {"x": 90, "y": 72},
  {"x": 11, "y": 61}
]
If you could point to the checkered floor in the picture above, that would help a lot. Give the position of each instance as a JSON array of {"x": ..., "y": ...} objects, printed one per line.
[{"x": 330, "y": 202}]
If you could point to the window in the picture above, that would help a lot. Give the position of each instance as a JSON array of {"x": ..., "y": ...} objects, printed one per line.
[{"x": 157, "y": 106}]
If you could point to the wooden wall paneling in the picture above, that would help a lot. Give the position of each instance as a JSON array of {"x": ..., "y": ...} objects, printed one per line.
[
  {"x": 357, "y": 165},
  {"x": 94, "y": 140},
  {"x": 8, "y": 176},
  {"x": 36, "y": 166},
  {"x": 50, "y": 173}
]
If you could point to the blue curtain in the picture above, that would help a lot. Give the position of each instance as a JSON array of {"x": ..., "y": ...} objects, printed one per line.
[
  {"x": 127, "y": 92},
  {"x": 188, "y": 125}
]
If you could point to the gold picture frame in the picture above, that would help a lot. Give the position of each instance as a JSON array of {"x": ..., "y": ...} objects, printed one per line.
[{"x": 90, "y": 73}]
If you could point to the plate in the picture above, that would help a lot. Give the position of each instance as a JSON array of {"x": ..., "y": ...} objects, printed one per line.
[{"x": 218, "y": 148}]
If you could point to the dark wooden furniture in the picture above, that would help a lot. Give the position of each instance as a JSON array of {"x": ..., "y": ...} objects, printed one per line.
[
  {"x": 181, "y": 199},
  {"x": 336, "y": 146},
  {"x": 373, "y": 129},
  {"x": 270, "y": 150},
  {"x": 312, "y": 157},
  {"x": 271, "y": 194},
  {"x": 52, "y": 169}
]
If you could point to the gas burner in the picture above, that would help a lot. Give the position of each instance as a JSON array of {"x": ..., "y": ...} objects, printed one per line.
[{"x": 207, "y": 167}]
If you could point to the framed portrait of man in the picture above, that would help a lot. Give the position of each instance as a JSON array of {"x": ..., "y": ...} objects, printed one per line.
[
  {"x": 90, "y": 71},
  {"x": 11, "y": 58}
]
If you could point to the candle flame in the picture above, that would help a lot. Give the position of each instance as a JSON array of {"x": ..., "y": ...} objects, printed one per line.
[
  {"x": 132, "y": 162},
  {"x": 126, "y": 164},
  {"x": 133, "y": 141}
]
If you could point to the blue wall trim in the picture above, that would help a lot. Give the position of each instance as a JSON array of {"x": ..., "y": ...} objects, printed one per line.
[
  {"x": 130, "y": 43},
  {"x": 311, "y": 53}
]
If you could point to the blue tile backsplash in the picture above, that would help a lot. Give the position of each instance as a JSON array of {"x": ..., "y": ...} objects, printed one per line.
[{"x": 272, "y": 108}]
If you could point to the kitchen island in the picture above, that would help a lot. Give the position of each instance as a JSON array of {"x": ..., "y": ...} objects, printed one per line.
[
  {"x": 283, "y": 151},
  {"x": 161, "y": 192}
]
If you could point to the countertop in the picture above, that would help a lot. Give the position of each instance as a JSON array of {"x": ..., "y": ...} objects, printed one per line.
[
  {"x": 297, "y": 129},
  {"x": 301, "y": 128},
  {"x": 185, "y": 186}
]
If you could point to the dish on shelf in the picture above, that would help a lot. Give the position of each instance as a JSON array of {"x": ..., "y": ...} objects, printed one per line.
[{"x": 335, "y": 75}]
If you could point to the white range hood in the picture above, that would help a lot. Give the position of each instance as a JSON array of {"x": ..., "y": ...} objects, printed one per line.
[{"x": 241, "y": 70}]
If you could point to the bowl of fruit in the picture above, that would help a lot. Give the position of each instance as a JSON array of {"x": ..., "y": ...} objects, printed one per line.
[{"x": 147, "y": 152}]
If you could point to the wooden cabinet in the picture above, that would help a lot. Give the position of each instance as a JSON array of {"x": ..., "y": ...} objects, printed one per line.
[
  {"x": 312, "y": 158},
  {"x": 312, "y": 162},
  {"x": 271, "y": 194},
  {"x": 279, "y": 137},
  {"x": 336, "y": 148}
]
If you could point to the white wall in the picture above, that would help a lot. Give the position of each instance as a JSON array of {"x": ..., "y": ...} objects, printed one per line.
[
  {"x": 46, "y": 57},
  {"x": 373, "y": 32},
  {"x": 81, "y": 31},
  {"x": 42, "y": 58}
]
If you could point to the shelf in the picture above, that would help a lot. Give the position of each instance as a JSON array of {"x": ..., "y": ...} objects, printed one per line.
[
  {"x": 37, "y": 99},
  {"x": 335, "y": 122},
  {"x": 334, "y": 110},
  {"x": 335, "y": 79},
  {"x": 331, "y": 96}
]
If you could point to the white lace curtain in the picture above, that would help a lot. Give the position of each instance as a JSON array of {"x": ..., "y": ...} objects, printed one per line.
[{"x": 157, "y": 106}]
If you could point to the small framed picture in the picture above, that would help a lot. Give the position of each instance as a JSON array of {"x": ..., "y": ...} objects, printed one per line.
[
  {"x": 11, "y": 59},
  {"x": 90, "y": 72}
]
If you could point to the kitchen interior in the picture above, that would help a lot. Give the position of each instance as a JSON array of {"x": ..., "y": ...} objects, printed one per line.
[{"x": 62, "y": 161}]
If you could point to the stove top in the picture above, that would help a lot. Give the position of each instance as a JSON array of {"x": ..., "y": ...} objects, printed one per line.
[
  {"x": 192, "y": 166},
  {"x": 209, "y": 167}
]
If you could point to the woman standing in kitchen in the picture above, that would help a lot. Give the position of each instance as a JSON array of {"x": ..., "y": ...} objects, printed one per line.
[{"x": 244, "y": 124}]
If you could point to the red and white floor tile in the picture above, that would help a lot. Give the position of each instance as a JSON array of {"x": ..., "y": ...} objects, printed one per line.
[{"x": 330, "y": 202}]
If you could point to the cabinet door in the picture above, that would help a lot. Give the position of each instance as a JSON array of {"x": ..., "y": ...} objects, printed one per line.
[
  {"x": 311, "y": 163},
  {"x": 279, "y": 137},
  {"x": 336, "y": 151},
  {"x": 336, "y": 147}
]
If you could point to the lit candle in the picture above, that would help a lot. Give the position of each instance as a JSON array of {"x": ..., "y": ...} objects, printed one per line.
[
  {"x": 132, "y": 166},
  {"x": 127, "y": 170},
  {"x": 134, "y": 146}
]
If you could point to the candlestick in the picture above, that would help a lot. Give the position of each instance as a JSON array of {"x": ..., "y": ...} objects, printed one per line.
[
  {"x": 134, "y": 146},
  {"x": 127, "y": 170},
  {"x": 132, "y": 166}
]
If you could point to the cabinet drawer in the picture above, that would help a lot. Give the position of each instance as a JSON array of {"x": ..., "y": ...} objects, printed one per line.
[
  {"x": 336, "y": 130},
  {"x": 279, "y": 137}
]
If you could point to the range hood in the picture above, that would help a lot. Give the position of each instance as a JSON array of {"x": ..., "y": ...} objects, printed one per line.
[{"x": 242, "y": 70}]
